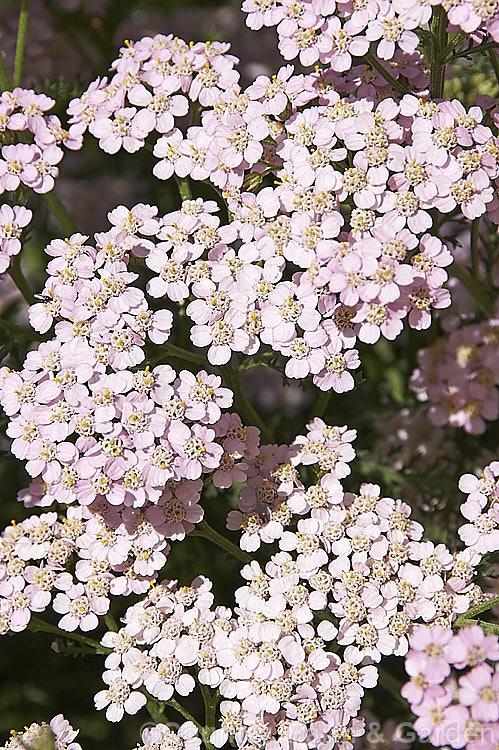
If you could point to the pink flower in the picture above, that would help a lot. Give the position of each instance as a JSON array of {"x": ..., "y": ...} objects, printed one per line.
[
  {"x": 203, "y": 396},
  {"x": 392, "y": 30},
  {"x": 196, "y": 449},
  {"x": 18, "y": 166},
  {"x": 223, "y": 336},
  {"x": 403, "y": 208},
  {"x": 168, "y": 149},
  {"x": 159, "y": 111},
  {"x": 12, "y": 222},
  {"x": 161, "y": 734},
  {"x": 480, "y": 690},
  {"x": 428, "y": 653},
  {"x": 140, "y": 219},
  {"x": 118, "y": 697},
  {"x": 78, "y": 610},
  {"x": 336, "y": 373},
  {"x": 260, "y": 15},
  {"x": 421, "y": 298},
  {"x": 64, "y": 733},
  {"x": 305, "y": 354},
  {"x": 216, "y": 76},
  {"x": 125, "y": 129},
  {"x": 471, "y": 646},
  {"x": 431, "y": 713},
  {"x": 44, "y": 163},
  {"x": 432, "y": 255},
  {"x": 338, "y": 43}
]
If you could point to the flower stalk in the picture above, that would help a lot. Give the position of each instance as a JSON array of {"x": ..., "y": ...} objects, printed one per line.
[{"x": 20, "y": 43}]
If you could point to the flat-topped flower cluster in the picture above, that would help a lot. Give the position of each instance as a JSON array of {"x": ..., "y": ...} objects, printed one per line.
[
  {"x": 32, "y": 164},
  {"x": 294, "y": 658},
  {"x": 59, "y": 732},
  {"x": 481, "y": 509},
  {"x": 343, "y": 248},
  {"x": 458, "y": 375},
  {"x": 328, "y": 218},
  {"x": 333, "y": 32},
  {"x": 466, "y": 715}
]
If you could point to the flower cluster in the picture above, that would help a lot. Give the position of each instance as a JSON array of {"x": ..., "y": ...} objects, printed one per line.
[
  {"x": 333, "y": 32},
  {"x": 109, "y": 553},
  {"x": 458, "y": 375},
  {"x": 441, "y": 155},
  {"x": 464, "y": 717},
  {"x": 481, "y": 510},
  {"x": 13, "y": 219},
  {"x": 126, "y": 446},
  {"x": 117, "y": 539},
  {"x": 164, "y": 634},
  {"x": 86, "y": 424},
  {"x": 153, "y": 83},
  {"x": 162, "y": 737},
  {"x": 32, "y": 164},
  {"x": 430, "y": 581},
  {"x": 337, "y": 201},
  {"x": 341, "y": 249},
  {"x": 111, "y": 548},
  {"x": 357, "y": 559},
  {"x": 58, "y": 733},
  {"x": 274, "y": 491}
]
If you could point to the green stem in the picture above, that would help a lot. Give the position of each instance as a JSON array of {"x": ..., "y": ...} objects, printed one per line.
[
  {"x": 59, "y": 213},
  {"x": 5, "y": 82},
  {"x": 475, "y": 226},
  {"x": 156, "y": 711},
  {"x": 19, "y": 280},
  {"x": 21, "y": 42},
  {"x": 321, "y": 404},
  {"x": 263, "y": 360},
  {"x": 495, "y": 63},
  {"x": 458, "y": 37},
  {"x": 487, "y": 627},
  {"x": 484, "y": 47},
  {"x": 483, "y": 607},
  {"x": 177, "y": 351},
  {"x": 183, "y": 712},
  {"x": 247, "y": 412},
  {"x": 207, "y": 532},
  {"x": 391, "y": 685},
  {"x": 220, "y": 194},
  {"x": 36, "y": 624},
  {"x": 475, "y": 287},
  {"x": 184, "y": 188},
  {"x": 438, "y": 25},
  {"x": 375, "y": 63},
  {"x": 110, "y": 622},
  {"x": 210, "y": 705}
]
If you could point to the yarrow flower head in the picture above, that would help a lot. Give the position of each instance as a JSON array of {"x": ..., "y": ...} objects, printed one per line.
[
  {"x": 468, "y": 714},
  {"x": 335, "y": 202},
  {"x": 58, "y": 733}
]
